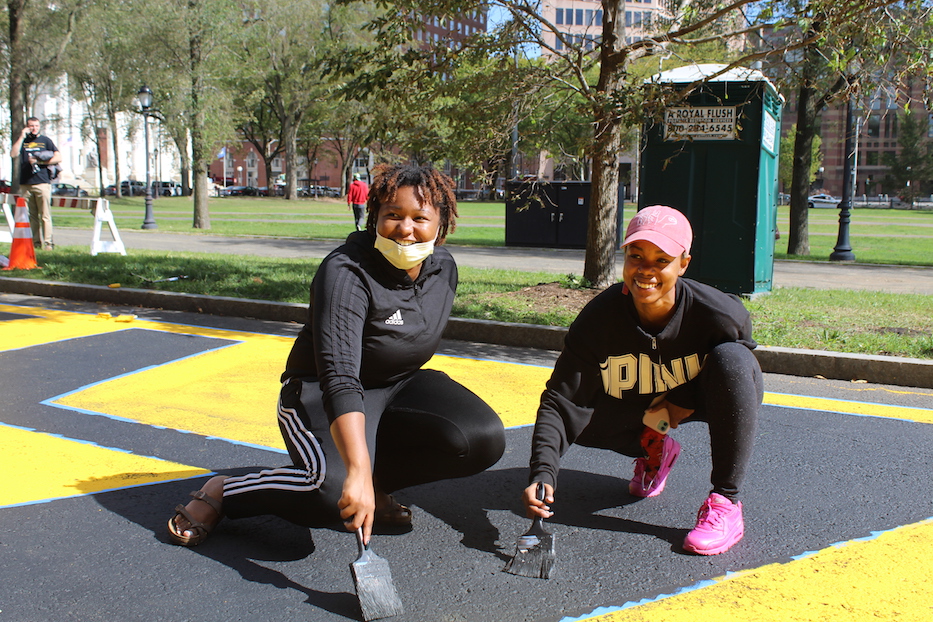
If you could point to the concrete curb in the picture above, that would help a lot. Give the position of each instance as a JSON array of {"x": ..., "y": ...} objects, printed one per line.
[{"x": 891, "y": 370}]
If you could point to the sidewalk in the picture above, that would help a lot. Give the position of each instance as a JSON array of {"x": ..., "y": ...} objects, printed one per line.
[{"x": 892, "y": 279}]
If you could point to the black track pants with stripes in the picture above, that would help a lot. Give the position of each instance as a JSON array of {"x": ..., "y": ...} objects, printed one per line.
[{"x": 423, "y": 429}]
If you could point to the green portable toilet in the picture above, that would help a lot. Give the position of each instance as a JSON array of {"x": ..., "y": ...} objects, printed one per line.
[{"x": 714, "y": 156}]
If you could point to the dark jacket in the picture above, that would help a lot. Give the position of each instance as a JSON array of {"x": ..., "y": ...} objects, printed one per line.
[
  {"x": 369, "y": 324},
  {"x": 611, "y": 369},
  {"x": 33, "y": 174}
]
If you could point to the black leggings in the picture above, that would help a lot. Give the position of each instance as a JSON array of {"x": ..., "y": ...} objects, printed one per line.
[
  {"x": 423, "y": 429},
  {"x": 729, "y": 391}
]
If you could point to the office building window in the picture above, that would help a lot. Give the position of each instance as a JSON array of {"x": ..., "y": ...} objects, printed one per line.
[
  {"x": 890, "y": 125},
  {"x": 599, "y": 18},
  {"x": 559, "y": 17},
  {"x": 579, "y": 17}
]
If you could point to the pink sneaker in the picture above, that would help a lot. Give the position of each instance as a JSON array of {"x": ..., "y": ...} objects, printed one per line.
[
  {"x": 649, "y": 479},
  {"x": 719, "y": 526}
]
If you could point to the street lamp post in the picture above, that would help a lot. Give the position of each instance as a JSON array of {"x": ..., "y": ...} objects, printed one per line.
[
  {"x": 843, "y": 249},
  {"x": 145, "y": 102}
]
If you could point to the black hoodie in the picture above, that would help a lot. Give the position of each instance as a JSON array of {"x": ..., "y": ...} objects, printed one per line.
[
  {"x": 611, "y": 369},
  {"x": 369, "y": 324}
]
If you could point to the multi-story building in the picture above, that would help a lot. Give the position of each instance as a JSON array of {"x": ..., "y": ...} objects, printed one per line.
[
  {"x": 434, "y": 30},
  {"x": 580, "y": 22},
  {"x": 876, "y": 127}
]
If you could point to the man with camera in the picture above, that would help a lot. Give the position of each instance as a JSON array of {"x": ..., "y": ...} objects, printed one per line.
[{"x": 37, "y": 154}]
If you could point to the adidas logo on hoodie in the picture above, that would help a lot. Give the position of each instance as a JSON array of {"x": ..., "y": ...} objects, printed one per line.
[{"x": 396, "y": 319}]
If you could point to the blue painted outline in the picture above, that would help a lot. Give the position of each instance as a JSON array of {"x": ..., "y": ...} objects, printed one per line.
[{"x": 602, "y": 611}]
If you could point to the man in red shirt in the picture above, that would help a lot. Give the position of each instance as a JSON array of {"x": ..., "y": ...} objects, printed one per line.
[{"x": 356, "y": 199}]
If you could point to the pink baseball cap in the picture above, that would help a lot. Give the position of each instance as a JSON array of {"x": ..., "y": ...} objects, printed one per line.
[{"x": 664, "y": 227}]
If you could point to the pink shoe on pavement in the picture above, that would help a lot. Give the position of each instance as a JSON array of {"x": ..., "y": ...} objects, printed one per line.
[
  {"x": 649, "y": 479},
  {"x": 719, "y": 526}
]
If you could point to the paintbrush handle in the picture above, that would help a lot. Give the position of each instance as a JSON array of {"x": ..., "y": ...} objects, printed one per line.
[
  {"x": 540, "y": 493},
  {"x": 359, "y": 541},
  {"x": 537, "y": 524}
]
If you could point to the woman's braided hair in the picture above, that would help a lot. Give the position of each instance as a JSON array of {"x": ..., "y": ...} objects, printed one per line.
[{"x": 432, "y": 186}]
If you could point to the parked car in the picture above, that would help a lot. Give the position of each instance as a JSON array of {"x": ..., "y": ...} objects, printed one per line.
[
  {"x": 239, "y": 191},
  {"x": 127, "y": 189},
  {"x": 4, "y": 186},
  {"x": 68, "y": 190},
  {"x": 822, "y": 200},
  {"x": 166, "y": 188}
]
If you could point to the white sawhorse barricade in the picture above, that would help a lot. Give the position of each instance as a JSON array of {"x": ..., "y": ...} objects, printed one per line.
[{"x": 99, "y": 208}]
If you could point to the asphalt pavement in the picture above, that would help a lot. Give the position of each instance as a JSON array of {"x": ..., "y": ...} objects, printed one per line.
[
  {"x": 112, "y": 413},
  {"x": 107, "y": 423}
]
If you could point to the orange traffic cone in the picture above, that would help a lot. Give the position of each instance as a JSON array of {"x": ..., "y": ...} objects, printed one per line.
[{"x": 22, "y": 254}]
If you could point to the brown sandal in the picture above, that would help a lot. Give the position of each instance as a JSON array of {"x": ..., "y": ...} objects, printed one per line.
[
  {"x": 201, "y": 530},
  {"x": 393, "y": 515}
]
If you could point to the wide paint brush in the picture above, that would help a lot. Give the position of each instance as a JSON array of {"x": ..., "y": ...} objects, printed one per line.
[
  {"x": 534, "y": 552},
  {"x": 373, "y": 581}
]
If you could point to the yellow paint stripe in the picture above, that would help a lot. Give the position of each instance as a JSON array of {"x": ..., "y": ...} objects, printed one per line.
[
  {"x": 184, "y": 394},
  {"x": 232, "y": 393},
  {"x": 920, "y": 415},
  {"x": 512, "y": 390},
  {"x": 882, "y": 578},
  {"x": 229, "y": 393},
  {"x": 77, "y": 468},
  {"x": 49, "y": 326}
]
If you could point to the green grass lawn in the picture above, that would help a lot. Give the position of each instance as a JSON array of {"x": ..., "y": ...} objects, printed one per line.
[
  {"x": 846, "y": 321},
  {"x": 877, "y": 235},
  {"x": 836, "y": 320},
  {"x": 480, "y": 224}
]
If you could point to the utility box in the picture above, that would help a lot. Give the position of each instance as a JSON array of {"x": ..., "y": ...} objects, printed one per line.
[
  {"x": 547, "y": 214},
  {"x": 714, "y": 157}
]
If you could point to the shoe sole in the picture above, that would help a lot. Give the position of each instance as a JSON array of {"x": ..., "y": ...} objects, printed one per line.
[
  {"x": 719, "y": 549},
  {"x": 634, "y": 488}
]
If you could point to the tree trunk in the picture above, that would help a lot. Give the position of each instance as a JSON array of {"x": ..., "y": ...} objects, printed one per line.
[
  {"x": 600, "y": 259},
  {"x": 185, "y": 171},
  {"x": 290, "y": 137},
  {"x": 17, "y": 100},
  {"x": 101, "y": 145},
  {"x": 114, "y": 138},
  {"x": 345, "y": 175},
  {"x": 199, "y": 151},
  {"x": 798, "y": 239},
  {"x": 267, "y": 164}
]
